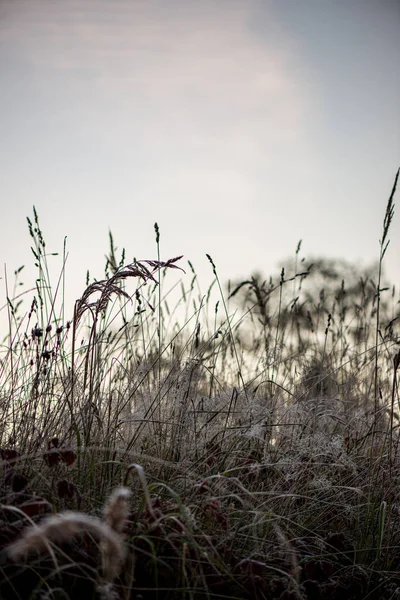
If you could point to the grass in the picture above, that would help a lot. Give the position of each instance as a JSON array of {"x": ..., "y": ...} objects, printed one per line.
[{"x": 243, "y": 449}]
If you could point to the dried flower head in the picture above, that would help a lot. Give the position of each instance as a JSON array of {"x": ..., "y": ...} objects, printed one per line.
[
  {"x": 52, "y": 457},
  {"x": 9, "y": 454}
]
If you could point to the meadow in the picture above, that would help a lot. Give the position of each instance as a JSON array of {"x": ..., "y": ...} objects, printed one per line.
[{"x": 246, "y": 448}]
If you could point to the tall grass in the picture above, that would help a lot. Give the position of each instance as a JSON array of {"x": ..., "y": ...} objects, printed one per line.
[{"x": 245, "y": 453}]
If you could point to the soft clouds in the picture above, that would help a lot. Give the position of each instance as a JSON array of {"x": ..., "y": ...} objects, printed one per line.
[
  {"x": 190, "y": 75},
  {"x": 174, "y": 104},
  {"x": 206, "y": 116}
]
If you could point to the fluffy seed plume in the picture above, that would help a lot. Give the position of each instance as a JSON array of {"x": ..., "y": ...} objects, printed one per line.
[
  {"x": 116, "y": 509},
  {"x": 62, "y": 528}
]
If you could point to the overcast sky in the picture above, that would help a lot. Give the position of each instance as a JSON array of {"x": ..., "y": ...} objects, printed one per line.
[{"x": 240, "y": 126}]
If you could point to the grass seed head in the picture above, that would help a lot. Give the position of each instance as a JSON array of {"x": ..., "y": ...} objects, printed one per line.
[{"x": 116, "y": 509}]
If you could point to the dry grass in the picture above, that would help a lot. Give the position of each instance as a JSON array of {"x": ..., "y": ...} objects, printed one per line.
[{"x": 248, "y": 448}]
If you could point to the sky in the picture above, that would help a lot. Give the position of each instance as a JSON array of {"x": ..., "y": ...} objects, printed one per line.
[{"x": 239, "y": 126}]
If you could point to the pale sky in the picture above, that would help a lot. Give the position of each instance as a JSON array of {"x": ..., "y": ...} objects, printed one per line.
[{"x": 240, "y": 126}]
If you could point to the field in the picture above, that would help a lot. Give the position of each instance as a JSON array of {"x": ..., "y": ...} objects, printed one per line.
[{"x": 246, "y": 449}]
